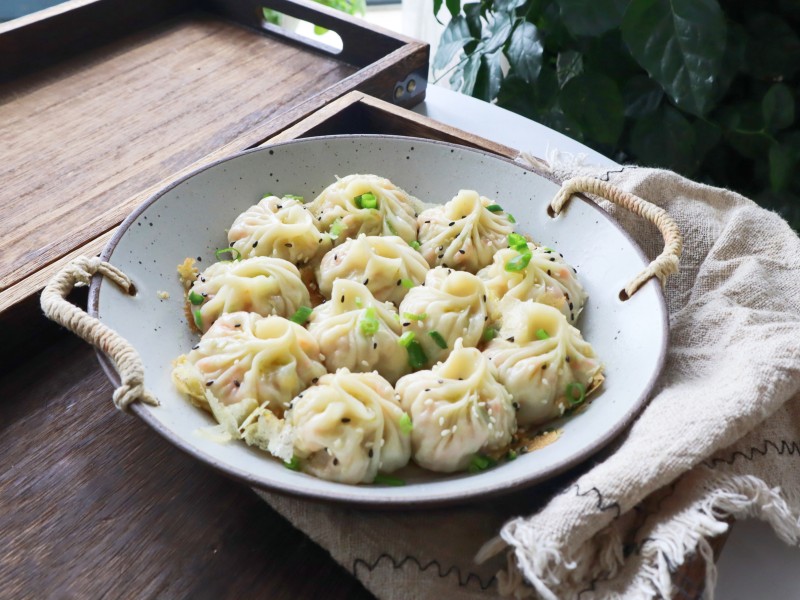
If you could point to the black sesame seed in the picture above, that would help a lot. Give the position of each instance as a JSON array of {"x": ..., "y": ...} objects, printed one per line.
[
  {"x": 510, "y": 339},
  {"x": 441, "y": 256},
  {"x": 203, "y": 279},
  {"x": 280, "y": 206},
  {"x": 204, "y": 295},
  {"x": 255, "y": 243},
  {"x": 570, "y": 306},
  {"x": 552, "y": 259},
  {"x": 370, "y": 453},
  {"x": 238, "y": 325},
  {"x": 288, "y": 244},
  {"x": 366, "y": 281},
  {"x": 548, "y": 272},
  {"x": 406, "y": 324},
  {"x": 374, "y": 345},
  {"x": 345, "y": 420},
  {"x": 342, "y": 298},
  {"x": 427, "y": 389},
  {"x": 462, "y": 251},
  {"x": 484, "y": 297},
  {"x": 451, "y": 223},
  {"x": 516, "y": 406},
  {"x": 237, "y": 383},
  {"x": 209, "y": 382},
  {"x": 427, "y": 221},
  {"x": 544, "y": 367},
  {"x": 315, "y": 380},
  {"x": 335, "y": 461},
  {"x": 441, "y": 381}
]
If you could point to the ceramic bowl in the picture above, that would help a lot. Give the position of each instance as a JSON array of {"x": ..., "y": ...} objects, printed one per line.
[{"x": 190, "y": 218}]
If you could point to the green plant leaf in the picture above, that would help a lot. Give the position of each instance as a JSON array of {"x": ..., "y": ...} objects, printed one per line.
[
  {"x": 773, "y": 51},
  {"x": 464, "y": 76},
  {"x": 507, "y": 5},
  {"x": 454, "y": 37},
  {"x": 568, "y": 64},
  {"x": 490, "y": 75},
  {"x": 454, "y": 6},
  {"x": 641, "y": 95},
  {"x": 777, "y": 107},
  {"x": 529, "y": 100},
  {"x": 497, "y": 32},
  {"x": 437, "y": 6},
  {"x": 594, "y": 102},
  {"x": 472, "y": 12},
  {"x": 664, "y": 139},
  {"x": 525, "y": 52},
  {"x": 591, "y": 17},
  {"x": 782, "y": 163},
  {"x": 680, "y": 43}
]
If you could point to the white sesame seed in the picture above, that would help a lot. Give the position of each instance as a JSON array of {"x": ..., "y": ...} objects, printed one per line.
[
  {"x": 441, "y": 421},
  {"x": 364, "y": 364},
  {"x": 383, "y": 441},
  {"x": 454, "y": 428},
  {"x": 428, "y": 401},
  {"x": 445, "y": 432}
]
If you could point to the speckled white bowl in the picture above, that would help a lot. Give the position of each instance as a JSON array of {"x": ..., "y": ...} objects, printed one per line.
[{"x": 189, "y": 218}]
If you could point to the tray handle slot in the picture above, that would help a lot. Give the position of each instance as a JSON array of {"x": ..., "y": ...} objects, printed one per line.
[
  {"x": 362, "y": 44},
  {"x": 666, "y": 263}
]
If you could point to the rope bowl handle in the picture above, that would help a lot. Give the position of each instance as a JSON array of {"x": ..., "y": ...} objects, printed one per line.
[
  {"x": 666, "y": 263},
  {"x": 126, "y": 360}
]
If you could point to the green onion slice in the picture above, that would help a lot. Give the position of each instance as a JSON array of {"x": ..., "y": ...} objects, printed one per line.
[
  {"x": 407, "y": 283},
  {"x": 390, "y": 227},
  {"x": 517, "y": 242},
  {"x": 511, "y": 455},
  {"x": 292, "y": 465},
  {"x": 302, "y": 315},
  {"x": 198, "y": 319},
  {"x": 494, "y": 208},
  {"x": 519, "y": 262},
  {"x": 489, "y": 334},
  {"x": 382, "y": 479},
  {"x": 195, "y": 298},
  {"x": 293, "y": 197},
  {"x": 369, "y": 323},
  {"x": 511, "y": 218},
  {"x": 576, "y": 393},
  {"x": 405, "y": 423},
  {"x": 480, "y": 463},
  {"x": 367, "y": 200},
  {"x": 416, "y": 355},
  {"x": 414, "y": 244},
  {"x": 235, "y": 254},
  {"x": 541, "y": 334},
  {"x": 359, "y": 303},
  {"x": 415, "y": 316},
  {"x": 437, "y": 337},
  {"x": 336, "y": 228},
  {"x": 406, "y": 339}
]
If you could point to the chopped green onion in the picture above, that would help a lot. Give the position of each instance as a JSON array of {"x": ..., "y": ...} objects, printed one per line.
[
  {"x": 382, "y": 479},
  {"x": 198, "y": 319},
  {"x": 414, "y": 244},
  {"x": 293, "y": 197},
  {"x": 480, "y": 463},
  {"x": 336, "y": 228},
  {"x": 407, "y": 283},
  {"x": 494, "y": 208},
  {"x": 367, "y": 200},
  {"x": 511, "y": 455},
  {"x": 267, "y": 195},
  {"x": 406, "y": 339},
  {"x": 359, "y": 304},
  {"x": 511, "y": 218},
  {"x": 232, "y": 251},
  {"x": 517, "y": 242},
  {"x": 292, "y": 465},
  {"x": 391, "y": 228},
  {"x": 195, "y": 298},
  {"x": 541, "y": 334},
  {"x": 415, "y": 317},
  {"x": 519, "y": 262},
  {"x": 574, "y": 398},
  {"x": 416, "y": 355},
  {"x": 369, "y": 324},
  {"x": 546, "y": 249},
  {"x": 301, "y": 315},
  {"x": 405, "y": 423},
  {"x": 437, "y": 337},
  {"x": 489, "y": 334}
]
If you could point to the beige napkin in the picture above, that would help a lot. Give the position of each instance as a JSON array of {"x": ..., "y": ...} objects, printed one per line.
[{"x": 719, "y": 439}]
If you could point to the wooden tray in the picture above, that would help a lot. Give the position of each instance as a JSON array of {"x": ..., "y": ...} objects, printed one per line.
[
  {"x": 102, "y": 101},
  {"x": 102, "y": 505}
]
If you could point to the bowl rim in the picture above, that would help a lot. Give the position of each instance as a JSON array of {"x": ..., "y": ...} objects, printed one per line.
[{"x": 342, "y": 495}]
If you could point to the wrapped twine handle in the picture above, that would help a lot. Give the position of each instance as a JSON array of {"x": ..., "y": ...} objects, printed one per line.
[
  {"x": 126, "y": 360},
  {"x": 666, "y": 263}
]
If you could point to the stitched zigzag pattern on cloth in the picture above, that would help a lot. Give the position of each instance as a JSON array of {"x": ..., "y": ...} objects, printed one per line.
[{"x": 719, "y": 439}]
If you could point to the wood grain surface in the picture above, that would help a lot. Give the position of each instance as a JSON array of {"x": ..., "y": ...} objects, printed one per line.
[{"x": 93, "y": 504}]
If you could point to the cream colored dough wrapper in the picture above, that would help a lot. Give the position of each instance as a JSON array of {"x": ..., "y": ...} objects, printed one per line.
[
  {"x": 278, "y": 228},
  {"x": 452, "y": 304},
  {"x": 547, "y": 279},
  {"x": 349, "y": 427},
  {"x": 263, "y": 285},
  {"x": 458, "y": 410},
  {"x": 540, "y": 358},
  {"x": 384, "y": 264},
  {"x": 395, "y": 213},
  {"x": 463, "y": 233},
  {"x": 357, "y": 332}
]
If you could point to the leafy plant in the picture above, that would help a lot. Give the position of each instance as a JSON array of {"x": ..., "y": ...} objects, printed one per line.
[
  {"x": 707, "y": 89},
  {"x": 351, "y": 7}
]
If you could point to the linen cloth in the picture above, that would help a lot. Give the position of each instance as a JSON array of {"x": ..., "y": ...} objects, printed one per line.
[{"x": 719, "y": 440}]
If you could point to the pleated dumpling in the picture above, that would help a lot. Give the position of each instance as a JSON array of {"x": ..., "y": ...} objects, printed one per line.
[
  {"x": 349, "y": 427},
  {"x": 546, "y": 278},
  {"x": 366, "y": 204},
  {"x": 387, "y": 265},
  {"x": 463, "y": 233},
  {"x": 357, "y": 332},
  {"x": 458, "y": 410},
  {"x": 543, "y": 361},
  {"x": 245, "y": 361},
  {"x": 450, "y": 306},
  {"x": 263, "y": 285},
  {"x": 280, "y": 228}
]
